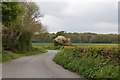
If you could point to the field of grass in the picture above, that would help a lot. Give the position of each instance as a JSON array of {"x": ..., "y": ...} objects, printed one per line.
[
  {"x": 75, "y": 44},
  {"x": 90, "y": 44},
  {"x": 49, "y": 46},
  {"x": 42, "y": 44}
]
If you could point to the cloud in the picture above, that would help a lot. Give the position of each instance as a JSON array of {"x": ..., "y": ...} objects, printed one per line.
[
  {"x": 76, "y": 9},
  {"x": 53, "y": 23},
  {"x": 99, "y": 17},
  {"x": 105, "y": 27},
  {"x": 71, "y": 0}
]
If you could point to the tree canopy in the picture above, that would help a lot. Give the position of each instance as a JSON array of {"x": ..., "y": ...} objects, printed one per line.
[
  {"x": 10, "y": 12},
  {"x": 20, "y": 20}
]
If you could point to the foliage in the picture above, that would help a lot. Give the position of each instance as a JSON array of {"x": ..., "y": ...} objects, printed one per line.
[
  {"x": 91, "y": 62},
  {"x": 10, "y": 55},
  {"x": 42, "y": 38},
  {"x": 102, "y": 38},
  {"x": 23, "y": 24},
  {"x": 59, "y": 33},
  {"x": 10, "y": 12},
  {"x": 62, "y": 41},
  {"x": 78, "y": 37}
]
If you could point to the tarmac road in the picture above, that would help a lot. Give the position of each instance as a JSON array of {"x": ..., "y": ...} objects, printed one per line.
[{"x": 36, "y": 66}]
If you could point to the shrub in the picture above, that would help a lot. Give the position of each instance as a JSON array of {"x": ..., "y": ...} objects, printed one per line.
[
  {"x": 91, "y": 62},
  {"x": 61, "y": 41}
]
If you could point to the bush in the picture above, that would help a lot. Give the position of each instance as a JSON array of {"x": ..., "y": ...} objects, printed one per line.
[
  {"x": 62, "y": 41},
  {"x": 91, "y": 62}
]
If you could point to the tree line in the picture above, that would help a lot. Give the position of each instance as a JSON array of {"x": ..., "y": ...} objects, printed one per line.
[{"x": 77, "y": 37}]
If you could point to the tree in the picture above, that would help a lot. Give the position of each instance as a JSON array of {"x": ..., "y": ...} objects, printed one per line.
[
  {"x": 42, "y": 38},
  {"x": 61, "y": 39},
  {"x": 59, "y": 33},
  {"x": 18, "y": 34},
  {"x": 29, "y": 25},
  {"x": 10, "y": 14}
]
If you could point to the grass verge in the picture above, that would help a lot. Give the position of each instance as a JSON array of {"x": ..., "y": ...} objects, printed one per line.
[{"x": 10, "y": 55}]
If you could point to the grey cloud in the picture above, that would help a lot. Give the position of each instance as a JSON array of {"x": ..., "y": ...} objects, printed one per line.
[{"x": 100, "y": 17}]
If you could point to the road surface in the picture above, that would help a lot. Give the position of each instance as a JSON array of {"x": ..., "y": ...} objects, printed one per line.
[{"x": 36, "y": 66}]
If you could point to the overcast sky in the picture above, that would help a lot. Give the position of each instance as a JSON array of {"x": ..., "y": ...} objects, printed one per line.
[{"x": 84, "y": 16}]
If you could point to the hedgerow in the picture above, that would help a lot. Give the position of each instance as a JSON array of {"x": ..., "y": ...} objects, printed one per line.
[{"x": 91, "y": 62}]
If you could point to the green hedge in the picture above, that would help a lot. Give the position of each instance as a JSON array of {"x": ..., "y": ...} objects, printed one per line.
[{"x": 91, "y": 63}]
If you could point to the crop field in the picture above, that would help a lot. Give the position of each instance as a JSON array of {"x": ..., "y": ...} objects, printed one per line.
[
  {"x": 75, "y": 44},
  {"x": 89, "y": 44}
]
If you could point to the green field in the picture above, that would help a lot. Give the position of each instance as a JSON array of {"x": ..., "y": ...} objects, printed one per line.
[
  {"x": 42, "y": 44},
  {"x": 74, "y": 44}
]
